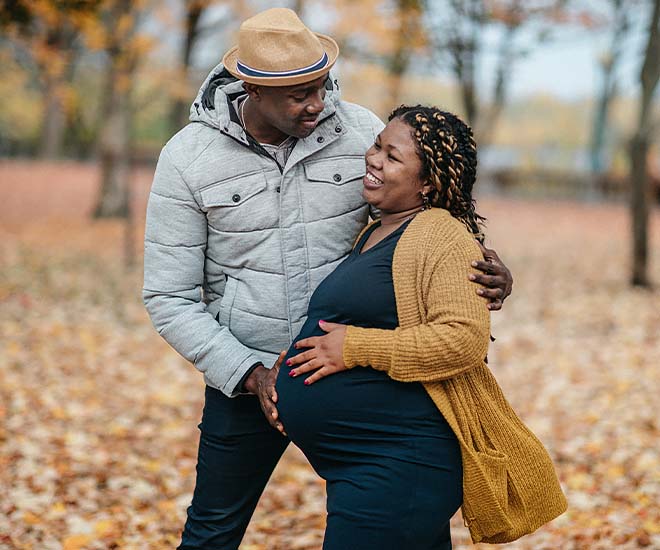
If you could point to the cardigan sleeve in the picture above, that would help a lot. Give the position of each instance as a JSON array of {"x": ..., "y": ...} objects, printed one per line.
[{"x": 453, "y": 339}]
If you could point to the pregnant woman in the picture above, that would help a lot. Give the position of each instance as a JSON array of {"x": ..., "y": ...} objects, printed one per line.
[{"x": 400, "y": 414}]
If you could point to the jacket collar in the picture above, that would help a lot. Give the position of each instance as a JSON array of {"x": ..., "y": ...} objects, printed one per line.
[{"x": 213, "y": 104}]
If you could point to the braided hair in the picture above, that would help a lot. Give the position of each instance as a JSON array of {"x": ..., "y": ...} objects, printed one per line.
[{"x": 448, "y": 152}]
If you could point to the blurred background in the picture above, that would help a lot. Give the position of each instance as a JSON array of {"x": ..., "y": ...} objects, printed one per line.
[{"x": 98, "y": 415}]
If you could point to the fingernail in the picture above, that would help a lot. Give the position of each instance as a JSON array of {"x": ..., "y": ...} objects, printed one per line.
[
  {"x": 288, "y": 362},
  {"x": 472, "y": 277},
  {"x": 306, "y": 382},
  {"x": 480, "y": 291},
  {"x": 321, "y": 322},
  {"x": 292, "y": 373},
  {"x": 474, "y": 264}
]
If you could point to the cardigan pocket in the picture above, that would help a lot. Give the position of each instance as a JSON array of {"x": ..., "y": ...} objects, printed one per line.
[
  {"x": 485, "y": 493},
  {"x": 495, "y": 465}
]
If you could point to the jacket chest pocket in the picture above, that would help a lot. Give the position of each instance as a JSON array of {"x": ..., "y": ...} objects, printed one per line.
[
  {"x": 334, "y": 186},
  {"x": 239, "y": 204},
  {"x": 336, "y": 171}
]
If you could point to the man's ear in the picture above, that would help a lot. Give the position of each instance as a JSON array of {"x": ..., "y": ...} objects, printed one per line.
[{"x": 253, "y": 91}]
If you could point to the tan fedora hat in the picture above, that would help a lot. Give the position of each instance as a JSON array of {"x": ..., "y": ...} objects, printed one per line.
[{"x": 275, "y": 48}]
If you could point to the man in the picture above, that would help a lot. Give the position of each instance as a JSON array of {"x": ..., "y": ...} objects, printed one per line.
[{"x": 252, "y": 205}]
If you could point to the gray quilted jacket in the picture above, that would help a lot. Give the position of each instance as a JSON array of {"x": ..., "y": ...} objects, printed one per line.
[{"x": 235, "y": 244}]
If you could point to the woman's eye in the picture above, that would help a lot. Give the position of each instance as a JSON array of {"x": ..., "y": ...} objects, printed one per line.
[{"x": 392, "y": 158}]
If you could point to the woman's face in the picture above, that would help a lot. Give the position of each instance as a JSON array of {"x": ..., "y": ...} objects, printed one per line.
[{"x": 392, "y": 182}]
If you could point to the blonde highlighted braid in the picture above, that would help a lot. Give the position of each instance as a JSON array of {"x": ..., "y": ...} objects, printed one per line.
[{"x": 448, "y": 153}]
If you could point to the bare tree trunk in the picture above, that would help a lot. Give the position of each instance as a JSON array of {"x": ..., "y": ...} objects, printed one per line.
[
  {"x": 487, "y": 124},
  {"x": 464, "y": 51},
  {"x": 54, "y": 120},
  {"x": 114, "y": 152},
  {"x": 56, "y": 72},
  {"x": 194, "y": 10},
  {"x": 299, "y": 7},
  {"x": 115, "y": 133},
  {"x": 607, "y": 95},
  {"x": 465, "y": 70},
  {"x": 641, "y": 193},
  {"x": 130, "y": 254},
  {"x": 407, "y": 34}
]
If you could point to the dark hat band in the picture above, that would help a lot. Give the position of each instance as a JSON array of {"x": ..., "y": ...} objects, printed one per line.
[{"x": 249, "y": 71}]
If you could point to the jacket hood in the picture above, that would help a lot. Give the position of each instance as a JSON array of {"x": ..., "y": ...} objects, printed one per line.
[{"x": 212, "y": 106}]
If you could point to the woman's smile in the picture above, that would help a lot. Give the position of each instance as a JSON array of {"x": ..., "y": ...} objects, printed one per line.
[{"x": 371, "y": 182}]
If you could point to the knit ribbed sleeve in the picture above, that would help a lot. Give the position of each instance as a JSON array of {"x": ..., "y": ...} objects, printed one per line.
[{"x": 450, "y": 332}]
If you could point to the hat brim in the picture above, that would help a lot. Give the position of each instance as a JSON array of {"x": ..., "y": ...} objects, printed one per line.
[{"x": 329, "y": 45}]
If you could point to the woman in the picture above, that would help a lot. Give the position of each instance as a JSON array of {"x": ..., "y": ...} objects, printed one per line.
[{"x": 421, "y": 426}]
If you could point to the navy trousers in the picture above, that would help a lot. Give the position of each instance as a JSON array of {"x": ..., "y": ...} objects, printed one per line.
[{"x": 238, "y": 451}]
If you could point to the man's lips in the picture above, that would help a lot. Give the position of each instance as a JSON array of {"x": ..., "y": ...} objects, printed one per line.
[{"x": 309, "y": 122}]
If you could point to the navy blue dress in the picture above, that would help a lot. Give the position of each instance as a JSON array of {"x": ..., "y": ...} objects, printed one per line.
[{"x": 391, "y": 462}]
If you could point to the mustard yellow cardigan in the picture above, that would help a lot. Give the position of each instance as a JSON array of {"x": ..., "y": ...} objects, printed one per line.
[{"x": 509, "y": 483}]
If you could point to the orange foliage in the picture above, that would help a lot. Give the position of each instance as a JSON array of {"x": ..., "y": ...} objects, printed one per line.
[{"x": 98, "y": 415}]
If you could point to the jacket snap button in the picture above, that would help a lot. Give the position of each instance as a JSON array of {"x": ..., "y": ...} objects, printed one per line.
[
  {"x": 336, "y": 177},
  {"x": 278, "y": 189},
  {"x": 338, "y": 129},
  {"x": 320, "y": 139},
  {"x": 236, "y": 197}
]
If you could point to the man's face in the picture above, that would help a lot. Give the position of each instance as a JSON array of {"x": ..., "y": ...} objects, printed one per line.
[{"x": 293, "y": 110}]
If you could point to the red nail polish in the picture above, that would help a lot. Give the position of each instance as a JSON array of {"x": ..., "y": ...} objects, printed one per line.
[
  {"x": 288, "y": 362},
  {"x": 306, "y": 382},
  {"x": 292, "y": 373},
  {"x": 321, "y": 321}
]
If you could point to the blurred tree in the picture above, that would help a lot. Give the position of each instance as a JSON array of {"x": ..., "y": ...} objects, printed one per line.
[
  {"x": 639, "y": 147},
  {"x": 116, "y": 34},
  {"x": 395, "y": 34},
  {"x": 193, "y": 13},
  {"x": 456, "y": 31},
  {"x": 407, "y": 37},
  {"x": 47, "y": 37},
  {"x": 299, "y": 7},
  {"x": 194, "y": 10},
  {"x": 609, "y": 62},
  {"x": 456, "y": 34}
]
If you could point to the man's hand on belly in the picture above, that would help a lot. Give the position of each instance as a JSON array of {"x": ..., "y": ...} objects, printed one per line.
[{"x": 261, "y": 382}]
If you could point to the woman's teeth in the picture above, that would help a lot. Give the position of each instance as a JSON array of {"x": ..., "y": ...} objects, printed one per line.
[{"x": 373, "y": 179}]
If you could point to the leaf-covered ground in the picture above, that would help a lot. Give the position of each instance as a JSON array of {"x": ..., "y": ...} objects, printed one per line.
[{"x": 98, "y": 415}]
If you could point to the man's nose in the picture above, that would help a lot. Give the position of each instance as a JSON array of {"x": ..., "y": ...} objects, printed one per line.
[{"x": 317, "y": 102}]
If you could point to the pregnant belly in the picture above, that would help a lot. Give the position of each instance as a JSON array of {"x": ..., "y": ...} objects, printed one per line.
[{"x": 357, "y": 404}]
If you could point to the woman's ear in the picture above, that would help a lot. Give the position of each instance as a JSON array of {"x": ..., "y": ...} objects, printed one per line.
[{"x": 427, "y": 188}]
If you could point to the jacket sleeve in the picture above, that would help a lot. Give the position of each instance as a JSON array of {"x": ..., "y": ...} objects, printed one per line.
[
  {"x": 174, "y": 257},
  {"x": 453, "y": 339}
]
